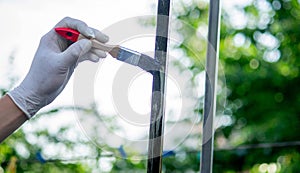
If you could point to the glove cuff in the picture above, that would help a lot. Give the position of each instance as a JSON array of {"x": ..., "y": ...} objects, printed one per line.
[{"x": 29, "y": 104}]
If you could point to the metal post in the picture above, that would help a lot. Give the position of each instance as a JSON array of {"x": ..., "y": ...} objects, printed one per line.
[
  {"x": 210, "y": 87},
  {"x": 155, "y": 145}
]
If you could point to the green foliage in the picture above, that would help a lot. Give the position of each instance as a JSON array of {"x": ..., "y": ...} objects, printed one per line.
[
  {"x": 260, "y": 63},
  {"x": 261, "y": 66},
  {"x": 18, "y": 154}
]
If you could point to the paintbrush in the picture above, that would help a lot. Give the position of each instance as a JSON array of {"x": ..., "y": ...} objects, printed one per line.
[{"x": 123, "y": 54}]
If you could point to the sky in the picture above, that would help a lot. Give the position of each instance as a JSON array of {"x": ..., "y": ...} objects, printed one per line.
[{"x": 24, "y": 22}]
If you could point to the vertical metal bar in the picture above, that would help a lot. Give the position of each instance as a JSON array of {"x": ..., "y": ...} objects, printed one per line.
[
  {"x": 210, "y": 87},
  {"x": 155, "y": 145}
]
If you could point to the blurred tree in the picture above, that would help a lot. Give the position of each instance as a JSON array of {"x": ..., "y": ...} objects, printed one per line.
[
  {"x": 27, "y": 150},
  {"x": 259, "y": 50}
]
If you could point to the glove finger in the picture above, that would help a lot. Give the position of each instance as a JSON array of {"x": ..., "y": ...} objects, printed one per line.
[
  {"x": 99, "y": 53},
  {"x": 78, "y": 25},
  {"x": 89, "y": 57},
  {"x": 99, "y": 36},
  {"x": 94, "y": 55},
  {"x": 76, "y": 50},
  {"x": 93, "y": 58}
]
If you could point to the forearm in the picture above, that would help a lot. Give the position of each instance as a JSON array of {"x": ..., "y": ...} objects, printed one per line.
[{"x": 11, "y": 117}]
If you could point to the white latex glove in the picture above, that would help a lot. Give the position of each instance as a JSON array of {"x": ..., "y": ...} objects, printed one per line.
[{"x": 53, "y": 65}]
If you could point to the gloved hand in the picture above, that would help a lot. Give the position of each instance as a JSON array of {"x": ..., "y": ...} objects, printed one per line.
[{"x": 53, "y": 65}]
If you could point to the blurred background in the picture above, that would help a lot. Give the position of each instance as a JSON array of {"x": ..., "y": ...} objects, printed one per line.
[{"x": 257, "y": 121}]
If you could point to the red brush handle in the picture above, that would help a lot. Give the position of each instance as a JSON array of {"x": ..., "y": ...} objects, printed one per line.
[
  {"x": 68, "y": 33},
  {"x": 73, "y": 35}
]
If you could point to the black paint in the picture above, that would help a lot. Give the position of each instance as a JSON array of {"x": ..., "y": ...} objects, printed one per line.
[{"x": 155, "y": 146}]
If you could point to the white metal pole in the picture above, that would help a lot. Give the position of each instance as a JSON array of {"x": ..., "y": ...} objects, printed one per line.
[{"x": 210, "y": 87}]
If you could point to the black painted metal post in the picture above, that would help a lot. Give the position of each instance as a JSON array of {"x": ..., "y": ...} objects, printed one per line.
[
  {"x": 155, "y": 145},
  {"x": 210, "y": 87}
]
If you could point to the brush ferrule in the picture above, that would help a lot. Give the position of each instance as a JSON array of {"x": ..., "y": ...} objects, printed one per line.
[{"x": 129, "y": 56}]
